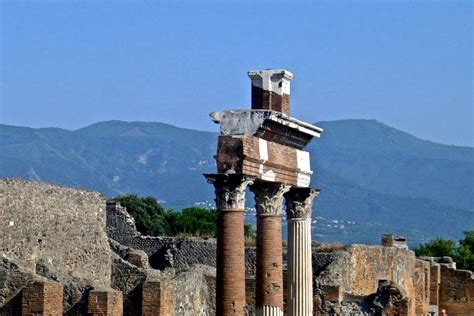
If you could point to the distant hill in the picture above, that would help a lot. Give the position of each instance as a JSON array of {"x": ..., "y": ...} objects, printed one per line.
[{"x": 374, "y": 178}]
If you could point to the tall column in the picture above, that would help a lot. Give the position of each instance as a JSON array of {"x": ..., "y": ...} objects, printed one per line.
[
  {"x": 230, "y": 262},
  {"x": 299, "y": 202},
  {"x": 269, "y": 283}
]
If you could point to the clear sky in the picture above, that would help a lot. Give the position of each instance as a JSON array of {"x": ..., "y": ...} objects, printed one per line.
[{"x": 72, "y": 63}]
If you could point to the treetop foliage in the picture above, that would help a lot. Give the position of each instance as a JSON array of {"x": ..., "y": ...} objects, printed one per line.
[
  {"x": 462, "y": 253},
  {"x": 153, "y": 220}
]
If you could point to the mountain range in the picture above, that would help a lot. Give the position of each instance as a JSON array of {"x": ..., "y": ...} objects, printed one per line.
[{"x": 374, "y": 178}]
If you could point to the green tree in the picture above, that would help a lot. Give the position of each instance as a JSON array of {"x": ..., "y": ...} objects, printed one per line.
[
  {"x": 192, "y": 221},
  {"x": 465, "y": 254},
  {"x": 148, "y": 214},
  {"x": 438, "y": 247}
]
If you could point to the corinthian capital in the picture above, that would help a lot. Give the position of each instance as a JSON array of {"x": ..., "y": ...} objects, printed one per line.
[
  {"x": 269, "y": 197},
  {"x": 299, "y": 202},
  {"x": 230, "y": 190}
]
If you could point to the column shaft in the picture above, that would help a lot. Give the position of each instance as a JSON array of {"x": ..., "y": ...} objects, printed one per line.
[
  {"x": 300, "y": 274},
  {"x": 269, "y": 286},
  {"x": 230, "y": 287},
  {"x": 269, "y": 294},
  {"x": 230, "y": 261},
  {"x": 299, "y": 202}
]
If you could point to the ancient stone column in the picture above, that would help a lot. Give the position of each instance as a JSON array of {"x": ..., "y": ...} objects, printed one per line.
[
  {"x": 230, "y": 262},
  {"x": 300, "y": 274},
  {"x": 269, "y": 283}
]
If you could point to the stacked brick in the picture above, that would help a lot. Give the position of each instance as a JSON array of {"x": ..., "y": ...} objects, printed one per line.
[
  {"x": 158, "y": 298},
  {"x": 42, "y": 298}
]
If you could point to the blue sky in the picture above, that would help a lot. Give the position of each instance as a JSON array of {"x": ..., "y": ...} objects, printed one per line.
[{"x": 72, "y": 63}]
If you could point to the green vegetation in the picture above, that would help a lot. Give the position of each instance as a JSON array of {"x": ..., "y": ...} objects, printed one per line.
[
  {"x": 463, "y": 253},
  {"x": 150, "y": 217},
  {"x": 152, "y": 220}
]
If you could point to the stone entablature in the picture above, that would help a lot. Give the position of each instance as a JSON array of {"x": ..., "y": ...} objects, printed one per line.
[{"x": 268, "y": 125}]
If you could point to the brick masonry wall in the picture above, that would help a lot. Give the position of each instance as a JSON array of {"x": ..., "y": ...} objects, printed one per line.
[
  {"x": 242, "y": 155},
  {"x": 269, "y": 100},
  {"x": 456, "y": 293}
]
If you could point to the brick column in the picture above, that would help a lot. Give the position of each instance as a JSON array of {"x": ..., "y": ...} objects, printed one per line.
[
  {"x": 230, "y": 263},
  {"x": 105, "y": 302},
  {"x": 269, "y": 286},
  {"x": 42, "y": 298},
  {"x": 158, "y": 298},
  {"x": 299, "y": 202}
]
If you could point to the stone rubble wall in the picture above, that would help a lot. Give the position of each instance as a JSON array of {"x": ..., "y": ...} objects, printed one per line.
[{"x": 64, "y": 227}]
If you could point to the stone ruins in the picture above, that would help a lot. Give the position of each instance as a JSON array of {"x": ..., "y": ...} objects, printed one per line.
[
  {"x": 262, "y": 149},
  {"x": 67, "y": 251}
]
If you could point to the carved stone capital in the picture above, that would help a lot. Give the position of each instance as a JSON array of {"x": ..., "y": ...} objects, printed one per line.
[
  {"x": 269, "y": 197},
  {"x": 230, "y": 190},
  {"x": 299, "y": 202}
]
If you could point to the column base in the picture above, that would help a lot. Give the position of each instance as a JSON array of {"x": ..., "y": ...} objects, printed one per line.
[{"x": 269, "y": 311}]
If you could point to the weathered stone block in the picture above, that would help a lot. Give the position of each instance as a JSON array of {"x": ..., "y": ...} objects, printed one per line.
[{"x": 332, "y": 293}]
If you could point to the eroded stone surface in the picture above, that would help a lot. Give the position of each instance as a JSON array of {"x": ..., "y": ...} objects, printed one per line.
[{"x": 64, "y": 227}]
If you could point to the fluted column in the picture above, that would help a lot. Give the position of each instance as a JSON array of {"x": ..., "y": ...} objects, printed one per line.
[
  {"x": 269, "y": 283},
  {"x": 299, "y": 202},
  {"x": 230, "y": 261}
]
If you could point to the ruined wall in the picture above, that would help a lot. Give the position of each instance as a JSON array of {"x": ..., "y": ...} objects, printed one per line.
[
  {"x": 456, "y": 291},
  {"x": 358, "y": 269},
  {"x": 421, "y": 280},
  {"x": 12, "y": 279},
  {"x": 63, "y": 227},
  {"x": 166, "y": 252}
]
